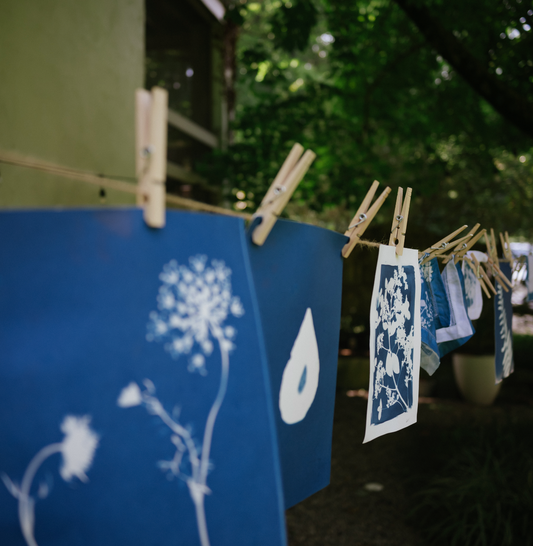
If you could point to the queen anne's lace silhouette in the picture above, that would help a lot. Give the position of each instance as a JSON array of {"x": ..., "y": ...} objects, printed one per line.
[
  {"x": 77, "y": 448},
  {"x": 193, "y": 304}
]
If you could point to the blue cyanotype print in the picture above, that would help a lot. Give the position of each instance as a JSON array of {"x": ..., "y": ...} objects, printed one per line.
[
  {"x": 437, "y": 293},
  {"x": 134, "y": 390},
  {"x": 429, "y": 354},
  {"x": 395, "y": 339},
  {"x": 503, "y": 328}
]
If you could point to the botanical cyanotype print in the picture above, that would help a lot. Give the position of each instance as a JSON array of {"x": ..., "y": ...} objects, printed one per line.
[
  {"x": 193, "y": 304},
  {"x": 77, "y": 450},
  {"x": 503, "y": 317},
  {"x": 395, "y": 339}
]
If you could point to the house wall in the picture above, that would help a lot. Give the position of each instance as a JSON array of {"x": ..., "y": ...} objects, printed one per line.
[{"x": 68, "y": 73}]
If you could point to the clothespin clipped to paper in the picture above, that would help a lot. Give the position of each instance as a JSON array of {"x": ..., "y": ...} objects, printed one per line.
[
  {"x": 289, "y": 176},
  {"x": 462, "y": 244},
  {"x": 151, "y": 112},
  {"x": 440, "y": 247},
  {"x": 364, "y": 215},
  {"x": 399, "y": 224}
]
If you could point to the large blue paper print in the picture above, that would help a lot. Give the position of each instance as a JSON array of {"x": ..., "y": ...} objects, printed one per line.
[{"x": 134, "y": 398}]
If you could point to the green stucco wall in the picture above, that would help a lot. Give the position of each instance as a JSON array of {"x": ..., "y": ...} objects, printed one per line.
[{"x": 68, "y": 73}]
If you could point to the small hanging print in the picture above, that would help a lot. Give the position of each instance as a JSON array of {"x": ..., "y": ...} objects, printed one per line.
[
  {"x": 503, "y": 328},
  {"x": 395, "y": 341}
]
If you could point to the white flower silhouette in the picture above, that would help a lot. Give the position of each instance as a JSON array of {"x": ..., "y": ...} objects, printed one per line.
[
  {"x": 77, "y": 448},
  {"x": 193, "y": 303},
  {"x": 393, "y": 313}
]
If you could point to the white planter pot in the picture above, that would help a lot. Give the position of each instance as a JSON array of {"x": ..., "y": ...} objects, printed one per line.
[{"x": 476, "y": 378}]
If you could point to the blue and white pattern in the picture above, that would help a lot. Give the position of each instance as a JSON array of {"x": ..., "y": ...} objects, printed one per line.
[
  {"x": 193, "y": 303},
  {"x": 437, "y": 293},
  {"x": 529, "y": 279},
  {"x": 503, "y": 328},
  {"x": 429, "y": 355},
  {"x": 460, "y": 329},
  {"x": 395, "y": 343},
  {"x": 473, "y": 296}
]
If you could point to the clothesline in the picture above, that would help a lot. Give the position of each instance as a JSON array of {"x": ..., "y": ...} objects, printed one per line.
[{"x": 12, "y": 158}]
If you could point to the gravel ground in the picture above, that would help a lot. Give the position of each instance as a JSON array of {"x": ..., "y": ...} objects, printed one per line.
[{"x": 345, "y": 513}]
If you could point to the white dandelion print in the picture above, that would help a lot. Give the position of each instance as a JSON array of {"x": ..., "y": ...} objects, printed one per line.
[
  {"x": 77, "y": 450},
  {"x": 193, "y": 304}
]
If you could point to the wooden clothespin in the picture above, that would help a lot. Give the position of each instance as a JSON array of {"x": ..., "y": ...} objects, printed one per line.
[
  {"x": 506, "y": 248},
  {"x": 289, "y": 176},
  {"x": 363, "y": 217},
  {"x": 467, "y": 246},
  {"x": 461, "y": 244},
  {"x": 482, "y": 275},
  {"x": 441, "y": 246},
  {"x": 493, "y": 262},
  {"x": 399, "y": 224},
  {"x": 151, "y": 112}
]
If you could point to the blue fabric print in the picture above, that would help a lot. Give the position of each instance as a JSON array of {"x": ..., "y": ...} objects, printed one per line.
[
  {"x": 437, "y": 293},
  {"x": 449, "y": 346},
  {"x": 429, "y": 355},
  {"x": 503, "y": 328},
  {"x": 393, "y": 380}
]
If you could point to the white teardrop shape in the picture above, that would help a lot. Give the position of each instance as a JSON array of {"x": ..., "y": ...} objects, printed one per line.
[{"x": 300, "y": 376}]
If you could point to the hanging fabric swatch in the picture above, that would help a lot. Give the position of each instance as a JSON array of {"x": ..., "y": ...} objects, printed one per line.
[
  {"x": 473, "y": 295},
  {"x": 503, "y": 328},
  {"x": 298, "y": 280},
  {"x": 133, "y": 402},
  {"x": 529, "y": 279},
  {"x": 437, "y": 293},
  {"x": 429, "y": 355},
  {"x": 460, "y": 329},
  {"x": 395, "y": 340}
]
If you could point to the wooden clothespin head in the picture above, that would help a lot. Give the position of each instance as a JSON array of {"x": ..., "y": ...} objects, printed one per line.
[
  {"x": 440, "y": 247},
  {"x": 363, "y": 217},
  {"x": 276, "y": 198},
  {"x": 151, "y": 112},
  {"x": 399, "y": 224},
  {"x": 465, "y": 247},
  {"x": 461, "y": 244},
  {"x": 506, "y": 248}
]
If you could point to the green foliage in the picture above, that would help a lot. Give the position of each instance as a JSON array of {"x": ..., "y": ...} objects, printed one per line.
[
  {"x": 374, "y": 101},
  {"x": 483, "y": 496},
  {"x": 301, "y": 15}
]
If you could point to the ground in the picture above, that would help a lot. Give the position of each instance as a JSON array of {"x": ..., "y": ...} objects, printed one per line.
[{"x": 346, "y": 513}]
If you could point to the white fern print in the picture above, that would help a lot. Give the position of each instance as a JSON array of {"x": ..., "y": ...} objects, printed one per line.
[
  {"x": 193, "y": 304},
  {"x": 506, "y": 335},
  {"x": 77, "y": 448},
  {"x": 393, "y": 312}
]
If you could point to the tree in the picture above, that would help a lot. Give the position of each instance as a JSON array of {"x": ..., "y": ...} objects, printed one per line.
[{"x": 428, "y": 94}]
